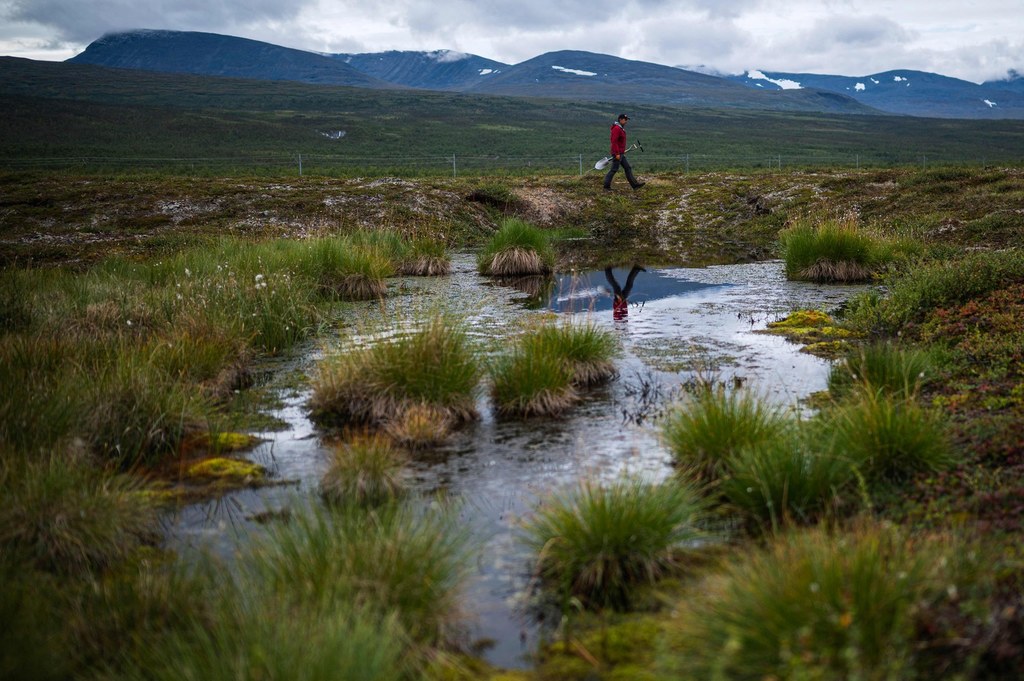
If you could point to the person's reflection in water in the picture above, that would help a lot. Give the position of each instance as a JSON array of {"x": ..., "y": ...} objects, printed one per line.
[{"x": 620, "y": 295}]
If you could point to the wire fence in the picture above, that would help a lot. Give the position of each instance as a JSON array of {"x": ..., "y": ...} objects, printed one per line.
[{"x": 457, "y": 165}]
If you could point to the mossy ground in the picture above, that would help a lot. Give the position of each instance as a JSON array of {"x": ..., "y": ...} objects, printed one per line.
[{"x": 680, "y": 219}]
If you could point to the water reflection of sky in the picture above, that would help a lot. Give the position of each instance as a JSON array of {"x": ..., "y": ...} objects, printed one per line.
[
  {"x": 681, "y": 323},
  {"x": 593, "y": 292}
]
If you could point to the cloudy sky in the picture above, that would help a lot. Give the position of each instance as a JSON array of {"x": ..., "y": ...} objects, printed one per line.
[{"x": 971, "y": 39}]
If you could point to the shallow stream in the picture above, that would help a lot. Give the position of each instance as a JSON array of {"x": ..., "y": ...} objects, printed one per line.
[{"x": 677, "y": 326}]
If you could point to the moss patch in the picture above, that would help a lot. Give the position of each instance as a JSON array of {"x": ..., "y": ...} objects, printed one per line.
[
  {"x": 815, "y": 329},
  {"x": 225, "y": 470}
]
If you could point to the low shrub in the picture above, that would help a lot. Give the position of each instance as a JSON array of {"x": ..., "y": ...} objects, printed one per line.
[
  {"x": 599, "y": 543},
  {"x": 947, "y": 283}
]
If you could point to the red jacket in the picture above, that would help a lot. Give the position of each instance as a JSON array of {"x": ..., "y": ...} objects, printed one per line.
[{"x": 618, "y": 139}]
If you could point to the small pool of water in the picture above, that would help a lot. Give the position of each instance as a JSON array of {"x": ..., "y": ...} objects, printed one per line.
[{"x": 674, "y": 325}]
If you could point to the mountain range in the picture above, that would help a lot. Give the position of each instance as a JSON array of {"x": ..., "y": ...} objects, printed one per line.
[{"x": 574, "y": 75}]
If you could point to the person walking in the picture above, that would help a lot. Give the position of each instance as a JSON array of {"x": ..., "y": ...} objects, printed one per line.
[{"x": 619, "y": 155}]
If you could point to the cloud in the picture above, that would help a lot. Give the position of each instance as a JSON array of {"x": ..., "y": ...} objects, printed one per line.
[
  {"x": 847, "y": 37},
  {"x": 84, "y": 21}
]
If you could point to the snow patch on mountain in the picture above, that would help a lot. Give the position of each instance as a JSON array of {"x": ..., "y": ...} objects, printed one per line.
[
  {"x": 990, "y": 103},
  {"x": 484, "y": 72},
  {"x": 783, "y": 83},
  {"x": 574, "y": 71},
  {"x": 898, "y": 79},
  {"x": 860, "y": 87}
]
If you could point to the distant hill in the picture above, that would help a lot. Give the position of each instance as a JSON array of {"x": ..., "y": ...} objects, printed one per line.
[
  {"x": 566, "y": 75},
  {"x": 211, "y": 54},
  {"x": 914, "y": 93},
  {"x": 1014, "y": 82},
  {"x": 438, "y": 70},
  {"x": 588, "y": 76}
]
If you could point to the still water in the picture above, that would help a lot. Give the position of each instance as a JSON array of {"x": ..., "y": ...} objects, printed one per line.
[{"x": 675, "y": 326}]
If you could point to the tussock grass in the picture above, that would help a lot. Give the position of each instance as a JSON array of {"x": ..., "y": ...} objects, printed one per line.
[
  {"x": 516, "y": 249},
  {"x": 708, "y": 428},
  {"x": 587, "y": 349},
  {"x": 530, "y": 382},
  {"x": 889, "y": 438},
  {"x": 881, "y": 366},
  {"x": 421, "y": 426},
  {"x": 392, "y": 560},
  {"x": 948, "y": 283},
  {"x": 366, "y": 470},
  {"x": 599, "y": 543},
  {"x": 266, "y": 639},
  {"x": 352, "y": 269},
  {"x": 425, "y": 258},
  {"x": 135, "y": 412},
  {"x": 835, "y": 251},
  {"x": 377, "y": 384},
  {"x": 815, "y": 605},
  {"x": 62, "y": 514},
  {"x": 786, "y": 480}
]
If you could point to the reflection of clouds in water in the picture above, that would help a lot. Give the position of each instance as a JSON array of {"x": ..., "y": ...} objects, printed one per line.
[{"x": 692, "y": 322}]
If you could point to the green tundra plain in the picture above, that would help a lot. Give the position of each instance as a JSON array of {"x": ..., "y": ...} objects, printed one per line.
[{"x": 878, "y": 538}]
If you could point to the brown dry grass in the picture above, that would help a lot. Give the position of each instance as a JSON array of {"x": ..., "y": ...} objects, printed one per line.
[
  {"x": 546, "y": 403},
  {"x": 425, "y": 266},
  {"x": 517, "y": 262},
  {"x": 360, "y": 287},
  {"x": 587, "y": 374},
  {"x": 829, "y": 271},
  {"x": 421, "y": 426}
]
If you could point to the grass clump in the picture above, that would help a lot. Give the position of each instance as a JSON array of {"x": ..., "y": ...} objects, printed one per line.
[
  {"x": 814, "y": 606},
  {"x": 249, "y": 640},
  {"x": 366, "y": 471},
  {"x": 888, "y": 438},
  {"x": 517, "y": 249},
  {"x": 541, "y": 374},
  {"x": 351, "y": 270},
  {"x": 425, "y": 258},
  {"x": 786, "y": 480},
  {"x": 61, "y": 513},
  {"x": 377, "y": 384},
  {"x": 394, "y": 559},
  {"x": 881, "y": 366},
  {"x": 599, "y": 543},
  {"x": 530, "y": 382},
  {"x": 834, "y": 251},
  {"x": 706, "y": 429},
  {"x": 587, "y": 349}
]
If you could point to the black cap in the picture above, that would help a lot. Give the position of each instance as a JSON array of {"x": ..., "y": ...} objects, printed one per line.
[{"x": 621, "y": 116}]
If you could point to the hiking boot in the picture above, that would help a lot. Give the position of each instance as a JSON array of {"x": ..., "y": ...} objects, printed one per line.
[
  {"x": 638, "y": 185},
  {"x": 607, "y": 189}
]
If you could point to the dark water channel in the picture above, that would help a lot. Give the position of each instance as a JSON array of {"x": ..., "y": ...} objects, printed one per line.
[{"x": 675, "y": 325}]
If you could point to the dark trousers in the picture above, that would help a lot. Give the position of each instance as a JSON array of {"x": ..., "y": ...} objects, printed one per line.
[{"x": 615, "y": 168}]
